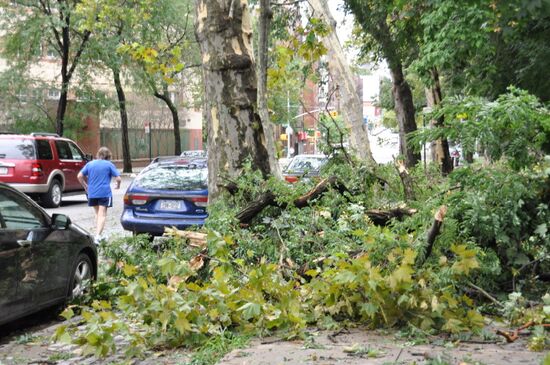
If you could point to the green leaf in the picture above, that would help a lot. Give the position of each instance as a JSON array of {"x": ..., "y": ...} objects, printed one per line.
[
  {"x": 250, "y": 310},
  {"x": 345, "y": 277},
  {"x": 182, "y": 324},
  {"x": 129, "y": 270},
  {"x": 68, "y": 313},
  {"x": 541, "y": 230}
]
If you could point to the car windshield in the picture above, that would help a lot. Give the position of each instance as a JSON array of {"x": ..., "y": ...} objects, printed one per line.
[
  {"x": 17, "y": 149},
  {"x": 306, "y": 163},
  {"x": 173, "y": 177}
]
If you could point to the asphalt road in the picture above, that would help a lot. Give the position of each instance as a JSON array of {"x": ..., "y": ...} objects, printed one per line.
[{"x": 76, "y": 207}]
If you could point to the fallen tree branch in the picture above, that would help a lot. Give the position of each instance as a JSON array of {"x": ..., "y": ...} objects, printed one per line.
[
  {"x": 382, "y": 217},
  {"x": 268, "y": 199},
  {"x": 378, "y": 217},
  {"x": 196, "y": 239},
  {"x": 514, "y": 335}
]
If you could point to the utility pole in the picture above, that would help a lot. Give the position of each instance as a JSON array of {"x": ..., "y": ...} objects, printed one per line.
[{"x": 288, "y": 130}]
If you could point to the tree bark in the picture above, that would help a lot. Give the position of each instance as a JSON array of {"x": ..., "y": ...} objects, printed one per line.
[
  {"x": 264, "y": 25},
  {"x": 165, "y": 96},
  {"x": 351, "y": 104},
  {"x": 127, "y": 159},
  {"x": 404, "y": 111},
  {"x": 235, "y": 130},
  {"x": 440, "y": 147}
]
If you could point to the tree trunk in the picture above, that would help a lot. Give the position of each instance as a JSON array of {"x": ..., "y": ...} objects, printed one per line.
[
  {"x": 61, "y": 107},
  {"x": 165, "y": 96},
  {"x": 235, "y": 131},
  {"x": 127, "y": 160},
  {"x": 440, "y": 147},
  {"x": 351, "y": 104},
  {"x": 263, "y": 43},
  {"x": 404, "y": 111},
  {"x": 65, "y": 78},
  {"x": 63, "y": 39}
]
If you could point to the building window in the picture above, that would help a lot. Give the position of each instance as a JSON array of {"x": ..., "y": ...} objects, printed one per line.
[
  {"x": 51, "y": 52},
  {"x": 22, "y": 96},
  {"x": 172, "y": 96},
  {"x": 54, "y": 94}
]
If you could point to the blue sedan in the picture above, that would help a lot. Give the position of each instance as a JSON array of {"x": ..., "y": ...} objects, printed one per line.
[{"x": 169, "y": 193}]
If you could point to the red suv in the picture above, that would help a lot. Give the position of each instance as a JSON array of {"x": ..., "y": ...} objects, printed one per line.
[{"x": 42, "y": 165}]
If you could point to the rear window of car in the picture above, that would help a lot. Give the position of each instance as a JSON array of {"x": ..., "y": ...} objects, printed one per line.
[
  {"x": 44, "y": 149},
  {"x": 306, "y": 163},
  {"x": 173, "y": 177},
  {"x": 17, "y": 149}
]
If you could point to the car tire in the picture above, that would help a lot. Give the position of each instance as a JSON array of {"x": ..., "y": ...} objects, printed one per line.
[
  {"x": 52, "y": 199},
  {"x": 82, "y": 275}
]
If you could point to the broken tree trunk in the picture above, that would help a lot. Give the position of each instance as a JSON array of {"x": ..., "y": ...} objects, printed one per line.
[
  {"x": 434, "y": 232},
  {"x": 351, "y": 105},
  {"x": 406, "y": 180}
]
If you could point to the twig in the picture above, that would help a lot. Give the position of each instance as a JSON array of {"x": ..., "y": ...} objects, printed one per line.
[
  {"x": 332, "y": 337},
  {"x": 487, "y": 295},
  {"x": 272, "y": 341},
  {"x": 479, "y": 342},
  {"x": 398, "y": 355}
]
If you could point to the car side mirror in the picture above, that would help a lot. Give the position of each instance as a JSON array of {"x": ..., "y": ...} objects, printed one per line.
[
  {"x": 60, "y": 221},
  {"x": 88, "y": 157}
]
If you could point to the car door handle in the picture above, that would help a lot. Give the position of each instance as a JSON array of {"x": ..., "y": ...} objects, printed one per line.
[{"x": 24, "y": 243}]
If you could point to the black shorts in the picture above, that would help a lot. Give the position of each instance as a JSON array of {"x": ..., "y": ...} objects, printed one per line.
[{"x": 105, "y": 202}]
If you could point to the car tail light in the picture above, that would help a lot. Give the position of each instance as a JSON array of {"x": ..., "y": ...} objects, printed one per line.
[
  {"x": 199, "y": 201},
  {"x": 291, "y": 179},
  {"x": 130, "y": 199},
  {"x": 36, "y": 169}
]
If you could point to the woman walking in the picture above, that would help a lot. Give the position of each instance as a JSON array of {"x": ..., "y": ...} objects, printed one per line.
[{"x": 96, "y": 177}]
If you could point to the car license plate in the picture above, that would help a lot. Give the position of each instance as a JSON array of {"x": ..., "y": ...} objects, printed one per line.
[
  {"x": 3, "y": 170},
  {"x": 170, "y": 204}
]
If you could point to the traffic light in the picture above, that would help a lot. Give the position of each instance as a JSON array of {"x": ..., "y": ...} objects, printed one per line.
[{"x": 333, "y": 113}]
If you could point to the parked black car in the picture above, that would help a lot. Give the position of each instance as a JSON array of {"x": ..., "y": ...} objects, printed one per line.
[{"x": 44, "y": 261}]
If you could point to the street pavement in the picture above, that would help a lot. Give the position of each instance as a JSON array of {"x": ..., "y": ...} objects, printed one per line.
[{"x": 76, "y": 207}]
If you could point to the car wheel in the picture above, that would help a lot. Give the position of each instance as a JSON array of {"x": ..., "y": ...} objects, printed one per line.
[
  {"x": 81, "y": 277},
  {"x": 52, "y": 199}
]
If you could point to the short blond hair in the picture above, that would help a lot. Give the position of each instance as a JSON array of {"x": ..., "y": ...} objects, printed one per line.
[{"x": 103, "y": 153}]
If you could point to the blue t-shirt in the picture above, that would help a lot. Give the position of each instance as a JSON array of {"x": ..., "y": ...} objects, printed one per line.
[{"x": 99, "y": 173}]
